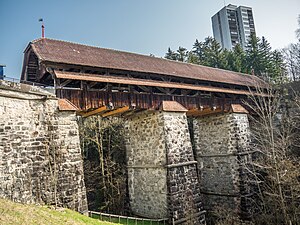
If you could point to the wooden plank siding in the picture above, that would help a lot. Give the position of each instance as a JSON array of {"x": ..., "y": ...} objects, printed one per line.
[{"x": 97, "y": 99}]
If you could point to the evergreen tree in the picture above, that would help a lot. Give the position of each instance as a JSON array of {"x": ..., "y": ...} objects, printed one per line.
[
  {"x": 182, "y": 54},
  {"x": 193, "y": 58},
  {"x": 254, "y": 57},
  {"x": 230, "y": 60},
  {"x": 258, "y": 58},
  {"x": 239, "y": 63},
  {"x": 171, "y": 54},
  {"x": 198, "y": 51},
  {"x": 278, "y": 70},
  {"x": 213, "y": 54},
  {"x": 266, "y": 57}
]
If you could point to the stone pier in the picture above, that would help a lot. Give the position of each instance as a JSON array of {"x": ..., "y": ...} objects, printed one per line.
[
  {"x": 222, "y": 150},
  {"x": 162, "y": 171}
]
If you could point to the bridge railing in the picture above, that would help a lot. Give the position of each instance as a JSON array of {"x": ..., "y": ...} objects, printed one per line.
[{"x": 126, "y": 219}]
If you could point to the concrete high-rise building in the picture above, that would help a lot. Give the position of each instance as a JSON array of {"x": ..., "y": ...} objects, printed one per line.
[{"x": 233, "y": 25}]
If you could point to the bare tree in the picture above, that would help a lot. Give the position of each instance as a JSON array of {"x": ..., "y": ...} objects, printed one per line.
[
  {"x": 298, "y": 30},
  {"x": 104, "y": 162},
  {"x": 275, "y": 169},
  {"x": 291, "y": 55}
]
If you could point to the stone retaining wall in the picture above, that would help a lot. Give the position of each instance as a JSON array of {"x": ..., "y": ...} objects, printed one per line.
[{"x": 40, "y": 156}]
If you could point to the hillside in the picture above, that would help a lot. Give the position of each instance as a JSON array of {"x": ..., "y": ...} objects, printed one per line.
[{"x": 15, "y": 213}]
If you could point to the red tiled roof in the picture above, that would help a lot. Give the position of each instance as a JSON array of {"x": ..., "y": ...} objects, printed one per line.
[{"x": 78, "y": 54}]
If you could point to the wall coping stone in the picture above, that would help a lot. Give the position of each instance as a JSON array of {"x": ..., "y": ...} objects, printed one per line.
[
  {"x": 237, "y": 108},
  {"x": 172, "y": 106},
  {"x": 25, "y": 88}
]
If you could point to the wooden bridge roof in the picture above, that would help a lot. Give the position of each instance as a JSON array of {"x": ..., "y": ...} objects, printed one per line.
[{"x": 49, "y": 50}]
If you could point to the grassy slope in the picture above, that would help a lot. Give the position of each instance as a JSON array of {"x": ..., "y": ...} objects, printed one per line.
[{"x": 15, "y": 213}]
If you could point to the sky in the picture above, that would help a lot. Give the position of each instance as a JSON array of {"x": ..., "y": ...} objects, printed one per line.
[{"x": 140, "y": 26}]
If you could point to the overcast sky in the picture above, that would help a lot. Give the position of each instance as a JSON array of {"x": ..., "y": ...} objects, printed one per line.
[{"x": 131, "y": 25}]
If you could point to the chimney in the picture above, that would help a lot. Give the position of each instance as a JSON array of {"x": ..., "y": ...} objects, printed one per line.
[
  {"x": 43, "y": 31},
  {"x": 43, "y": 27}
]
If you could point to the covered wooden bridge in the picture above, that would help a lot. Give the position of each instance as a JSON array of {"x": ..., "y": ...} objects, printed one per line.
[
  {"x": 110, "y": 82},
  {"x": 158, "y": 145}
]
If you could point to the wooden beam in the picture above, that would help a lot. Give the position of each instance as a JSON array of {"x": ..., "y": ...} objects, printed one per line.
[
  {"x": 144, "y": 88},
  {"x": 192, "y": 111},
  {"x": 92, "y": 84},
  {"x": 96, "y": 111},
  {"x": 204, "y": 112},
  {"x": 163, "y": 90},
  {"x": 116, "y": 111},
  {"x": 62, "y": 84}
]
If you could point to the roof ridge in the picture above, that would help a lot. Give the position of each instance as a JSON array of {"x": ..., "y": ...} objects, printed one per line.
[{"x": 87, "y": 45}]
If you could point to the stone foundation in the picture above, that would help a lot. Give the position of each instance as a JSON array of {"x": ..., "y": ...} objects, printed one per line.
[
  {"x": 146, "y": 160},
  {"x": 39, "y": 149},
  {"x": 222, "y": 150},
  {"x": 162, "y": 174}
]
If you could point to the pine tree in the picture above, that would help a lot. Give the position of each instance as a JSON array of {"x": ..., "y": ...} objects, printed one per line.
[
  {"x": 239, "y": 59},
  {"x": 266, "y": 57},
  {"x": 182, "y": 54},
  {"x": 254, "y": 56},
  {"x": 193, "y": 58},
  {"x": 171, "y": 54},
  {"x": 278, "y": 70},
  {"x": 198, "y": 51},
  {"x": 213, "y": 54}
]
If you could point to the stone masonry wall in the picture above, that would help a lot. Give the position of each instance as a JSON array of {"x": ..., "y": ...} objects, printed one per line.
[
  {"x": 185, "y": 204},
  {"x": 40, "y": 157},
  {"x": 222, "y": 149},
  {"x": 146, "y": 158},
  {"x": 162, "y": 172}
]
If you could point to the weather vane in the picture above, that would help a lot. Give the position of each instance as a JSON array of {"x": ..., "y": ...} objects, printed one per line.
[{"x": 43, "y": 27}]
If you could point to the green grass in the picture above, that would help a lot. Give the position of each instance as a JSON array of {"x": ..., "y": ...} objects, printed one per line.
[{"x": 17, "y": 214}]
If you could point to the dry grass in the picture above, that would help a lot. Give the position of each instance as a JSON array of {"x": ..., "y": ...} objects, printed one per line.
[{"x": 15, "y": 213}]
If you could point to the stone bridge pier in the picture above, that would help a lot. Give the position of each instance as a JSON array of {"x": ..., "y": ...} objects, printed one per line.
[
  {"x": 162, "y": 171},
  {"x": 221, "y": 146},
  {"x": 168, "y": 178}
]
